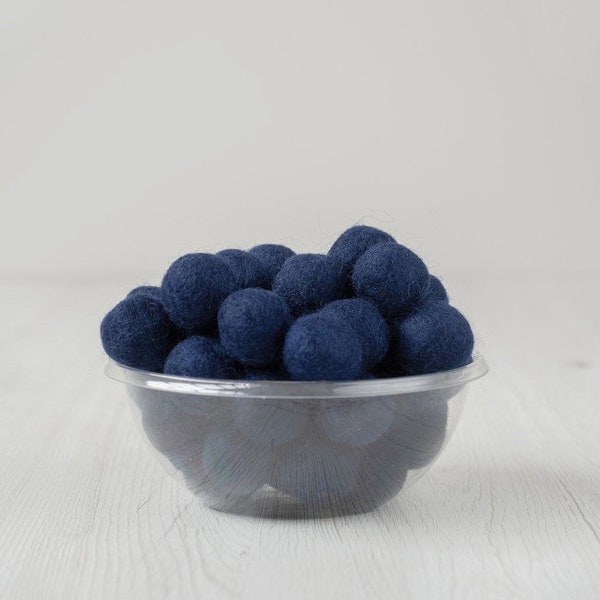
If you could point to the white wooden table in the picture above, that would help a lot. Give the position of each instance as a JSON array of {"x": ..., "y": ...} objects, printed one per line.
[{"x": 511, "y": 509}]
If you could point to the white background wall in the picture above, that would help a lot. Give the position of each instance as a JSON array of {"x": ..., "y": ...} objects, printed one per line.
[{"x": 132, "y": 131}]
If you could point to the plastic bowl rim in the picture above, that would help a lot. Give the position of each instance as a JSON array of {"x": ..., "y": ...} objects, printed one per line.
[{"x": 299, "y": 389}]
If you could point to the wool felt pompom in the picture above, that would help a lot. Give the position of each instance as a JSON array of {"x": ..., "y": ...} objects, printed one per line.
[
  {"x": 354, "y": 242},
  {"x": 309, "y": 281},
  {"x": 138, "y": 333},
  {"x": 435, "y": 291},
  {"x": 322, "y": 348},
  {"x": 152, "y": 291},
  {"x": 272, "y": 257},
  {"x": 436, "y": 337},
  {"x": 365, "y": 320},
  {"x": 200, "y": 356},
  {"x": 156, "y": 292},
  {"x": 194, "y": 287},
  {"x": 252, "y": 326},
  {"x": 391, "y": 276},
  {"x": 247, "y": 269}
]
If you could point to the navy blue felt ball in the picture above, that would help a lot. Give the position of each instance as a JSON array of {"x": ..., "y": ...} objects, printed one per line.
[
  {"x": 364, "y": 318},
  {"x": 272, "y": 257},
  {"x": 200, "y": 356},
  {"x": 435, "y": 290},
  {"x": 322, "y": 348},
  {"x": 391, "y": 276},
  {"x": 354, "y": 242},
  {"x": 436, "y": 337},
  {"x": 152, "y": 291},
  {"x": 309, "y": 281},
  {"x": 247, "y": 269},
  {"x": 252, "y": 326},
  {"x": 194, "y": 287},
  {"x": 138, "y": 333}
]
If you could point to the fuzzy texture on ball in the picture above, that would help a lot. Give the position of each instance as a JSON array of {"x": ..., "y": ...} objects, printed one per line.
[
  {"x": 152, "y": 291},
  {"x": 436, "y": 337},
  {"x": 309, "y": 281},
  {"x": 194, "y": 287},
  {"x": 355, "y": 422},
  {"x": 247, "y": 268},
  {"x": 435, "y": 291},
  {"x": 354, "y": 242},
  {"x": 322, "y": 348},
  {"x": 138, "y": 333},
  {"x": 200, "y": 356},
  {"x": 252, "y": 326},
  {"x": 367, "y": 322},
  {"x": 155, "y": 292},
  {"x": 391, "y": 276},
  {"x": 272, "y": 257}
]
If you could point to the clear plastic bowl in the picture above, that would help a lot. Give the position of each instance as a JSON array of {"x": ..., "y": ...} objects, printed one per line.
[{"x": 297, "y": 449}]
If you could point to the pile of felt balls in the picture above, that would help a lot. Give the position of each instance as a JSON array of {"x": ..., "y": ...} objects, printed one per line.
[{"x": 368, "y": 308}]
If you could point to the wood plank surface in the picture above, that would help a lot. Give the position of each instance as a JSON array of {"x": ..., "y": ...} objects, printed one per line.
[{"x": 510, "y": 510}]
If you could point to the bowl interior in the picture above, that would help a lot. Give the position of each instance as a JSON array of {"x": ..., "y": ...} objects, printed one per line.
[
  {"x": 297, "y": 457},
  {"x": 297, "y": 449}
]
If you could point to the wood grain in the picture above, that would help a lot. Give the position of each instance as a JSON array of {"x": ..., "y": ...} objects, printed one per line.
[{"x": 511, "y": 510}]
